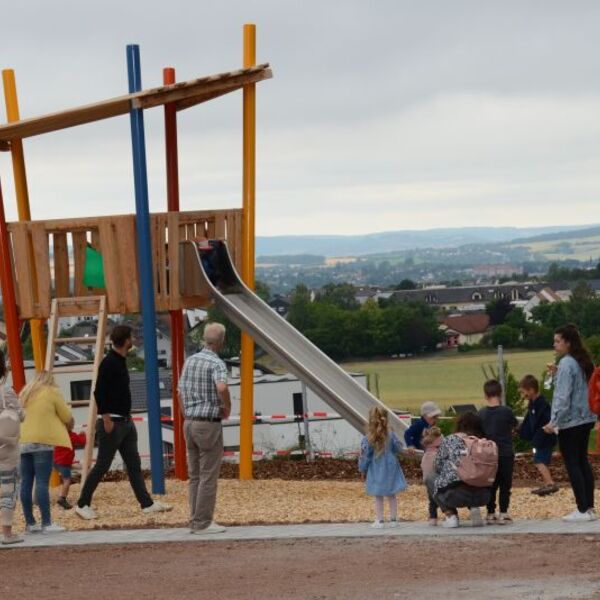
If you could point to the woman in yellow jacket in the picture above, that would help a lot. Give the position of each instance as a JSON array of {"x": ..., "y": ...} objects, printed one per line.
[{"x": 47, "y": 417}]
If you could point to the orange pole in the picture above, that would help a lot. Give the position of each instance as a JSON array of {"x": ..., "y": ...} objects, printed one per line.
[
  {"x": 248, "y": 254},
  {"x": 7, "y": 284},
  {"x": 177, "y": 341},
  {"x": 38, "y": 337}
]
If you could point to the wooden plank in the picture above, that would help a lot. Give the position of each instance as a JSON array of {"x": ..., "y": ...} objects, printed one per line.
[
  {"x": 42, "y": 265},
  {"x": 23, "y": 269},
  {"x": 79, "y": 246},
  {"x": 209, "y": 228},
  {"x": 52, "y": 326},
  {"x": 78, "y": 306},
  {"x": 61, "y": 265},
  {"x": 122, "y": 104},
  {"x": 173, "y": 225},
  {"x": 92, "y": 407},
  {"x": 95, "y": 239},
  {"x": 160, "y": 291},
  {"x": 127, "y": 249},
  {"x": 220, "y": 225},
  {"x": 111, "y": 262}
]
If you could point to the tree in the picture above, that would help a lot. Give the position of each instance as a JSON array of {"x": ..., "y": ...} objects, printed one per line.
[
  {"x": 582, "y": 292},
  {"x": 505, "y": 335},
  {"x": 593, "y": 345},
  {"x": 498, "y": 310},
  {"x": 406, "y": 284},
  {"x": 342, "y": 295},
  {"x": 299, "y": 313}
]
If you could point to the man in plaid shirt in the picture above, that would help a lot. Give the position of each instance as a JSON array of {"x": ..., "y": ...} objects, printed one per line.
[{"x": 205, "y": 401}]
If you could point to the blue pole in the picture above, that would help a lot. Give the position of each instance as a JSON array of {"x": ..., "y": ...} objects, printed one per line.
[{"x": 142, "y": 212}]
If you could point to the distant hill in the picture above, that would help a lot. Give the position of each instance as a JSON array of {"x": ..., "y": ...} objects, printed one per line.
[{"x": 394, "y": 241}]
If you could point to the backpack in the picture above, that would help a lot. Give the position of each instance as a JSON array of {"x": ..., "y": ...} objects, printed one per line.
[
  {"x": 479, "y": 461},
  {"x": 594, "y": 391}
]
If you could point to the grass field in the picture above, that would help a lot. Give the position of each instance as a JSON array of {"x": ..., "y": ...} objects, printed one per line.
[{"x": 445, "y": 378}]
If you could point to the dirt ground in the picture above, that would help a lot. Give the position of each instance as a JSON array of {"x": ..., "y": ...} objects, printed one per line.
[{"x": 499, "y": 567}]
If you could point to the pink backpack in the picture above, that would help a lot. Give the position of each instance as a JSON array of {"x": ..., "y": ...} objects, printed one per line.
[{"x": 479, "y": 463}]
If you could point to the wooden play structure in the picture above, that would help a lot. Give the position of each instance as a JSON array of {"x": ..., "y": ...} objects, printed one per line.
[{"x": 43, "y": 261}]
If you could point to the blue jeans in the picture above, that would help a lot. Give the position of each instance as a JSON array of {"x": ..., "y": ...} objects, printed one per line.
[{"x": 36, "y": 466}]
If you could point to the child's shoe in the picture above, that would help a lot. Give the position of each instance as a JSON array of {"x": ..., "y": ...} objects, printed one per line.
[
  {"x": 450, "y": 522},
  {"x": 577, "y": 517},
  {"x": 35, "y": 528},
  {"x": 504, "y": 519},
  {"x": 491, "y": 519},
  {"x": 53, "y": 528},
  {"x": 476, "y": 520},
  {"x": 593, "y": 515},
  {"x": 393, "y": 523},
  {"x": 64, "y": 503},
  {"x": 550, "y": 489},
  {"x": 377, "y": 525},
  {"x": 433, "y": 522},
  {"x": 13, "y": 538}
]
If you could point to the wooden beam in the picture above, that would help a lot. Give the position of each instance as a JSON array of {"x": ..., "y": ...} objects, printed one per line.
[{"x": 187, "y": 90}]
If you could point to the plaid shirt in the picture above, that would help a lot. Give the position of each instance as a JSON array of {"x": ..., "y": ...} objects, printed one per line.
[{"x": 197, "y": 385}]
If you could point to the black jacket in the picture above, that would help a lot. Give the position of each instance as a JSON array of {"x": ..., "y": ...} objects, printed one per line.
[{"x": 538, "y": 415}]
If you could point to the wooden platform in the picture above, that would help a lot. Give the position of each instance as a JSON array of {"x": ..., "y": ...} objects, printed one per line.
[{"x": 48, "y": 258}]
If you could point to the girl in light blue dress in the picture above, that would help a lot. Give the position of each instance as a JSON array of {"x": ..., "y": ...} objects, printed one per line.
[{"x": 379, "y": 462}]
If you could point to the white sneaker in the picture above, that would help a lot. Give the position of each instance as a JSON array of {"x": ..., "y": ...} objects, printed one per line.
[
  {"x": 53, "y": 528},
  {"x": 476, "y": 520},
  {"x": 450, "y": 522},
  {"x": 156, "y": 508},
  {"x": 593, "y": 515},
  {"x": 86, "y": 512},
  {"x": 393, "y": 523},
  {"x": 35, "y": 528},
  {"x": 577, "y": 517},
  {"x": 212, "y": 528},
  {"x": 377, "y": 525}
]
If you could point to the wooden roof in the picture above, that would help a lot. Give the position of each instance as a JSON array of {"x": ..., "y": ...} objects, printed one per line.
[{"x": 183, "y": 95}]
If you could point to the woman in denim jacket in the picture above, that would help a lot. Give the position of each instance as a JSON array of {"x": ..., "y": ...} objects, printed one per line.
[{"x": 572, "y": 418}]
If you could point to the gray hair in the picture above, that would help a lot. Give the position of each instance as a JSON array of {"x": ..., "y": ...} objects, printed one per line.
[{"x": 214, "y": 334}]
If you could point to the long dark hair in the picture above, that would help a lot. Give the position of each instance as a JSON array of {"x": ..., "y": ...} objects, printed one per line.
[
  {"x": 2, "y": 366},
  {"x": 469, "y": 423},
  {"x": 577, "y": 350}
]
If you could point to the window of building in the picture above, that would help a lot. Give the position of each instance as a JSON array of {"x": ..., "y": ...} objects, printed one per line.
[{"x": 81, "y": 390}]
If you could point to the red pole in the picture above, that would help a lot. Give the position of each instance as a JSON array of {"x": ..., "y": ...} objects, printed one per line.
[
  {"x": 10, "y": 305},
  {"x": 177, "y": 342}
]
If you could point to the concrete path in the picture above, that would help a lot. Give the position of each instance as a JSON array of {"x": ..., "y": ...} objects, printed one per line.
[{"x": 283, "y": 532}]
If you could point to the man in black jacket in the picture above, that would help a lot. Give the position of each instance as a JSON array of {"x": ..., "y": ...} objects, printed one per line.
[
  {"x": 115, "y": 431},
  {"x": 538, "y": 415}
]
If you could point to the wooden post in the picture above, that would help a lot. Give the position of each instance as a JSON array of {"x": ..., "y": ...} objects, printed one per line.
[
  {"x": 177, "y": 341},
  {"x": 20, "y": 176},
  {"x": 7, "y": 284},
  {"x": 248, "y": 255}
]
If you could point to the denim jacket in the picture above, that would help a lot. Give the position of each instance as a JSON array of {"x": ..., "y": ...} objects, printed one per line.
[{"x": 570, "y": 406}]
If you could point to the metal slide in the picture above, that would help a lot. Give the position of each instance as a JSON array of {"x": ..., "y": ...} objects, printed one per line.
[{"x": 274, "y": 334}]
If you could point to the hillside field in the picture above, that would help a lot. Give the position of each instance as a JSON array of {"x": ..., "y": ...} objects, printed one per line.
[{"x": 445, "y": 378}]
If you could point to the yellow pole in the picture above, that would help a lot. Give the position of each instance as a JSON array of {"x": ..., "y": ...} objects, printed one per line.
[
  {"x": 20, "y": 177},
  {"x": 248, "y": 255}
]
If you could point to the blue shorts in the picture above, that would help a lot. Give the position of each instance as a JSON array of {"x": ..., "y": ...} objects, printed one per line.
[
  {"x": 63, "y": 470},
  {"x": 542, "y": 456}
]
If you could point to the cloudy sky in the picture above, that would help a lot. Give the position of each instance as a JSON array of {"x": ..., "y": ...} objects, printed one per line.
[{"x": 381, "y": 115}]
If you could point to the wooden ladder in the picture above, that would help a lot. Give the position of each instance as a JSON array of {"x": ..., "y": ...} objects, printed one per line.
[{"x": 75, "y": 307}]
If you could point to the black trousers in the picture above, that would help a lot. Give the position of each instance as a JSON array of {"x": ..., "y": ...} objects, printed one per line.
[
  {"x": 457, "y": 496},
  {"x": 502, "y": 483},
  {"x": 573, "y": 444},
  {"x": 122, "y": 439}
]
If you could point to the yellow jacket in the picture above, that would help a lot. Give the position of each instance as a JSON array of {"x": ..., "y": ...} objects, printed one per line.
[{"x": 46, "y": 418}]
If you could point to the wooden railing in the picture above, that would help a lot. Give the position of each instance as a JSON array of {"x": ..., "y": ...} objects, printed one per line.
[{"x": 49, "y": 258}]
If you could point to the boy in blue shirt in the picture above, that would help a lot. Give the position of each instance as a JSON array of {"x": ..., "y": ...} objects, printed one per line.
[
  {"x": 538, "y": 415},
  {"x": 430, "y": 412}
]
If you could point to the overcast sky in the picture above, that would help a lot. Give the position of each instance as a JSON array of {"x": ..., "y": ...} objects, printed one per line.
[{"x": 381, "y": 115}]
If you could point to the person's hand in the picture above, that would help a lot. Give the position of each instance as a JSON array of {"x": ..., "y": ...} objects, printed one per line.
[
  {"x": 109, "y": 425},
  {"x": 551, "y": 368},
  {"x": 225, "y": 413},
  {"x": 549, "y": 428},
  {"x": 597, "y": 426},
  {"x": 411, "y": 450}
]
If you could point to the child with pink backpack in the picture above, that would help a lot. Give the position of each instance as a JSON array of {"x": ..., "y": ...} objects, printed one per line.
[{"x": 431, "y": 440}]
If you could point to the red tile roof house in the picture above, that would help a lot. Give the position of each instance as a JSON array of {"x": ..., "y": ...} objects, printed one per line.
[{"x": 471, "y": 328}]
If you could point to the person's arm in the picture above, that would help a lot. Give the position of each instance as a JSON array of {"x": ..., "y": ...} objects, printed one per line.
[
  {"x": 412, "y": 435},
  {"x": 101, "y": 393},
  {"x": 225, "y": 398},
  {"x": 563, "y": 392},
  {"x": 220, "y": 379},
  {"x": 366, "y": 454},
  {"x": 62, "y": 409}
]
